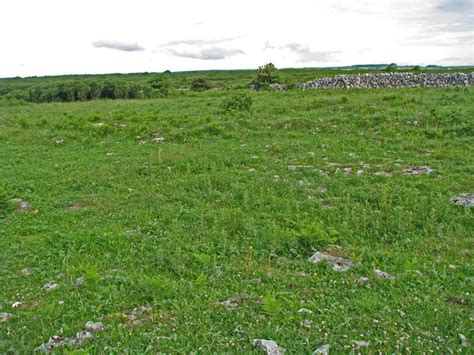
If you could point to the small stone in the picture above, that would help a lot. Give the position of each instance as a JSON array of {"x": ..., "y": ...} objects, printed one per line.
[
  {"x": 360, "y": 172},
  {"x": 79, "y": 281},
  {"x": 60, "y": 303},
  {"x": 321, "y": 189},
  {"x": 99, "y": 124},
  {"x": 21, "y": 206},
  {"x": 276, "y": 177},
  {"x": 94, "y": 326},
  {"x": 83, "y": 336},
  {"x": 465, "y": 200},
  {"x": 347, "y": 171},
  {"x": 417, "y": 170},
  {"x": 17, "y": 304},
  {"x": 252, "y": 170},
  {"x": 338, "y": 264},
  {"x": 232, "y": 302},
  {"x": 363, "y": 280},
  {"x": 158, "y": 139},
  {"x": 452, "y": 267},
  {"x": 50, "y": 286},
  {"x": 464, "y": 341},
  {"x": 384, "y": 173},
  {"x": 306, "y": 323},
  {"x": 305, "y": 311},
  {"x": 402, "y": 314},
  {"x": 141, "y": 142},
  {"x": 325, "y": 146},
  {"x": 26, "y": 271},
  {"x": 361, "y": 343},
  {"x": 5, "y": 316},
  {"x": 268, "y": 346},
  {"x": 384, "y": 275},
  {"x": 300, "y": 182},
  {"x": 322, "y": 350}
]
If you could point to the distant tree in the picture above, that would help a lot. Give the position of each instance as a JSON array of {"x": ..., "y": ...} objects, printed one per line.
[
  {"x": 266, "y": 74},
  {"x": 416, "y": 68},
  {"x": 391, "y": 67},
  {"x": 199, "y": 85}
]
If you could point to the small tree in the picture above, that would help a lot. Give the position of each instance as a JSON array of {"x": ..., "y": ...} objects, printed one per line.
[
  {"x": 391, "y": 67},
  {"x": 266, "y": 74}
]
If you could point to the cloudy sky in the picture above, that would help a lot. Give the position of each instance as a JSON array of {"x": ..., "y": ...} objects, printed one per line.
[{"x": 49, "y": 37}]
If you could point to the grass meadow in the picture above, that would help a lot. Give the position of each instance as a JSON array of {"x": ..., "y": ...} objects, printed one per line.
[{"x": 175, "y": 205}]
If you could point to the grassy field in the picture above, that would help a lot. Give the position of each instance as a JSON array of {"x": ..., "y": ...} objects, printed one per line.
[{"x": 231, "y": 206}]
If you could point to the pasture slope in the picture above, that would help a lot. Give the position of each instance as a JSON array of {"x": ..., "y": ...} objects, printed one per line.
[{"x": 181, "y": 228}]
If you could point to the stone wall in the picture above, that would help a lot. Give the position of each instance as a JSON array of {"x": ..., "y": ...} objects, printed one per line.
[{"x": 390, "y": 80}]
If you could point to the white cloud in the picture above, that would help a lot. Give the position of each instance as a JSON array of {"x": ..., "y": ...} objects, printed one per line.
[{"x": 117, "y": 45}]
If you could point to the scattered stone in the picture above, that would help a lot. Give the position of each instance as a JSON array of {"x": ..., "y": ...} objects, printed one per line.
[
  {"x": 325, "y": 146},
  {"x": 17, "y": 304},
  {"x": 158, "y": 139},
  {"x": 360, "y": 172},
  {"x": 268, "y": 346},
  {"x": 300, "y": 182},
  {"x": 465, "y": 200},
  {"x": 252, "y": 170},
  {"x": 50, "y": 286},
  {"x": 59, "y": 141},
  {"x": 323, "y": 173},
  {"x": 26, "y": 271},
  {"x": 22, "y": 206},
  {"x": 99, "y": 124},
  {"x": 322, "y": 350},
  {"x": 232, "y": 302},
  {"x": 363, "y": 280},
  {"x": 109, "y": 154},
  {"x": 297, "y": 167},
  {"x": 338, "y": 264},
  {"x": 347, "y": 171},
  {"x": 321, "y": 189},
  {"x": 306, "y": 323},
  {"x": 278, "y": 87},
  {"x": 5, "y": 316},
  {"x": 417, "y": 170},
  {"x": 81, "y": 337},
  {"x": 361, "y": 343},
  {"x": 138, "y": 315},
  {"x": 141, "y": 142},
  {"x": 452, "y": 267},
  {"x": 464, "y": 341},
  {"x": 60, "y": 303},
  {"x": 384, "y": 275},
  {"x": 276, "y": 177},
  {"x": 79, "y": 281},
  {"x": 305, "y": 311},
  {"x": 402, "y": 314},
  {"x": 94, "y": 326}
]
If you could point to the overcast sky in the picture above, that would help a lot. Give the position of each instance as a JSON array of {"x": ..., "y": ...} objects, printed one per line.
[{"x": 49, "y": 37}]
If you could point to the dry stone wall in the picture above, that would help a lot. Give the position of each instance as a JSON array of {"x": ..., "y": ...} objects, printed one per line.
[{"x": 390, "y": 80}]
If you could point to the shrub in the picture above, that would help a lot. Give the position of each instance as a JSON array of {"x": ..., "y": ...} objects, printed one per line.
[
  {"x": 160, "y": 85},
  {"x": 238, "y": 102},
  {"x": 416, "y": 68},
  {"x": 199, "y": 85},
  {"x": 391, "y": 67},
  {"x": 266, "y": 74}
]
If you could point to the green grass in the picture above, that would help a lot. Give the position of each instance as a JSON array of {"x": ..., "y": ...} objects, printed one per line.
[{"x": 201, "y": 218}]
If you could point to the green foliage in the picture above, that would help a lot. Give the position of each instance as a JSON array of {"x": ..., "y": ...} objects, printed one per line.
[
  {"x": 271, "y": 306},
  {"x": 199, "y": 84},
  {"x": 416, "y": 69},
  {"x": 391, "y": 67},
  {"x": 237, "y": 103},
  {"x": 266, "y": 74},
  {"x": 5, "y": 205},
  {"x": 160, "y": 85},
  {"x": 313, "y": 235}
]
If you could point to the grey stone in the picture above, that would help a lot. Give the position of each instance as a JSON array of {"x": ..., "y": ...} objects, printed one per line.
[
  {"x": 363, "y": 280},
  {"x": 305, "y": 310},
  {"x": 361, "y": 343},
  {"x": 268, "y": 346},
  {"x": 383, "y": 275},
  {"x": 322, "y": 349},
  {"x": 418, "y": 170},
  {"x": 94, "y": 326},
  {"x": 465, "y": 200},
  {"x": 464, "y": 341},
  {"x": 338, "y": 264},
  {"x": 50, "y": 286},
  {"x": 79, "y": 281},
  {"x": 5, "y": 316}
]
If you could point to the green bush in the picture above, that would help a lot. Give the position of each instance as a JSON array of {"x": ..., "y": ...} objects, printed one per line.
[
  {"x": 199, "y": 85},
  {"x": 160, "y": 85},
  {"x": 266, "y": 74},
  {"x": 238, "y": 102},
  {"x": 391, "y": 67}
]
